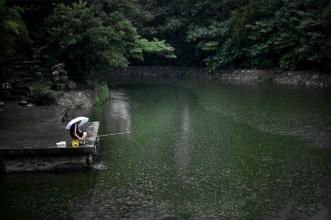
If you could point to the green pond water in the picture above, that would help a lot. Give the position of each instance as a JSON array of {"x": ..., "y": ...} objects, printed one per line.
[{"x": 197, "y": 150}]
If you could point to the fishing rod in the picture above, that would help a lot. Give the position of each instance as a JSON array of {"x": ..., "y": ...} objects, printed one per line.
[{"x": 113, "y": 134}]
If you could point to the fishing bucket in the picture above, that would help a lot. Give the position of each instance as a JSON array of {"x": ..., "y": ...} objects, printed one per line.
[{"x": 75, "y": 143}]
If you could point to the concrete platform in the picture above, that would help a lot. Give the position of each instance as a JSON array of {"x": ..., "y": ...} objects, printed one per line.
[
  {"x": 50, "y": 158},
  {"x": 35, "y": 126}
]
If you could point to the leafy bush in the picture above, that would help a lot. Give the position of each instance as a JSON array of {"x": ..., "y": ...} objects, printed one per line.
[{"x": 41, "y": 94}]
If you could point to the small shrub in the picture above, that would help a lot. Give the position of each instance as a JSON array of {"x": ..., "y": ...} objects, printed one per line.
[{"x": 41, "y": 94}]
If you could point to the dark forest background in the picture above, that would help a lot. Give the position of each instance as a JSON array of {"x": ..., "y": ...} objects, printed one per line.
[{"x": 89, "y": 36}]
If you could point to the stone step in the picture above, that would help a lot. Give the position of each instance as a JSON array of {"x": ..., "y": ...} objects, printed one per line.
[
  {"x": 26, "y": 62},
  {"x": 60, "y": 79},
  {"x": 20, "y": 93},
  {"x": 29, "y": 79},
  {"x": 22, "y": 74},
  {"x": 14, "y": 97},
  {"x": 21, "y": 85}
]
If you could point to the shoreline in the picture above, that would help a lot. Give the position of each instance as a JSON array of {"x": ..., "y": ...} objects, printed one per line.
[{"x": 258, "y": 76}]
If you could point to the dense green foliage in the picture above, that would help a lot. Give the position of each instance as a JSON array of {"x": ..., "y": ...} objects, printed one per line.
[
  {"x": 91, "y": 37},
  {"x": 101, "y": 35},
  {"x": 12, "y": 30},
  {"x": 288, "y": 34}
]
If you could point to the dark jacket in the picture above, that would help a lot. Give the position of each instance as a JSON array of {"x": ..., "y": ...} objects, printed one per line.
[{"x": 75, "y": 132}]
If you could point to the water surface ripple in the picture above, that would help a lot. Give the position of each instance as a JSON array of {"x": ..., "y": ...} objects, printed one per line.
[{"x": 196, "y": 151}]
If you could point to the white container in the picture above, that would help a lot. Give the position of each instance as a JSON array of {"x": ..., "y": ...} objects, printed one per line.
[{"x": 61, "y": 144}]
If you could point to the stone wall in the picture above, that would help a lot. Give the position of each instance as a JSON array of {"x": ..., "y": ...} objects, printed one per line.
[
  {"x": 295, "y": 78},
  {"x": 309, "y": 79},
  {"x": 18, "y": 77},
  {"x": 246, "y": 76},
  {"x": 169, "y": 72}
]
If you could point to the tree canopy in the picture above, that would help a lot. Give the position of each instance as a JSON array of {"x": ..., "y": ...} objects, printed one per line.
[
  {"x": 98, "y": 36},
  {"x": 287, "y": 34},
  {"x": 12, "y": 30},
  {"x": 93, "y": 35}
]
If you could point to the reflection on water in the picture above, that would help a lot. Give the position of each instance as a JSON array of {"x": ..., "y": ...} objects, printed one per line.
[
  {"x": 119, "y": 112},
  {"x": 183, "y": 146},
  {"x": 42, "y": 195},
  {"x": 199, "y": 151}
]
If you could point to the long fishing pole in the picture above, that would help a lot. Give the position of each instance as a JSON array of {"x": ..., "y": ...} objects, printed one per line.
[{"x": 113, "y": 134}]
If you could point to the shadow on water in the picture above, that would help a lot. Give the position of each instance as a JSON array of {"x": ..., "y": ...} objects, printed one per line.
[{"x": 42, "y": 196}]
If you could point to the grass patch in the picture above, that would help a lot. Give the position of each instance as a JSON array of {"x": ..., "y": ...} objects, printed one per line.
[{"x": 102, "y": 94}]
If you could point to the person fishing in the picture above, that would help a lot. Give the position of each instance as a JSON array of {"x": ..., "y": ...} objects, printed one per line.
[{"x": 77, "y": 134}]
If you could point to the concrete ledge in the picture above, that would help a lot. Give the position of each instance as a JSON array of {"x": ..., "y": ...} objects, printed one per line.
[
  {"x": 46, "y": 151},
  {"x": 29, "y": 159},
  {"x": 46, "y": 163}
]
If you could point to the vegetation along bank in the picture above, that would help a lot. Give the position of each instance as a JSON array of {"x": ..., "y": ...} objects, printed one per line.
[{"x": 93, "y": 38}]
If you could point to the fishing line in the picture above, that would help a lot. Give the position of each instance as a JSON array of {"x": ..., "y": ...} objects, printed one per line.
[{"x": 113, "y": 134}]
